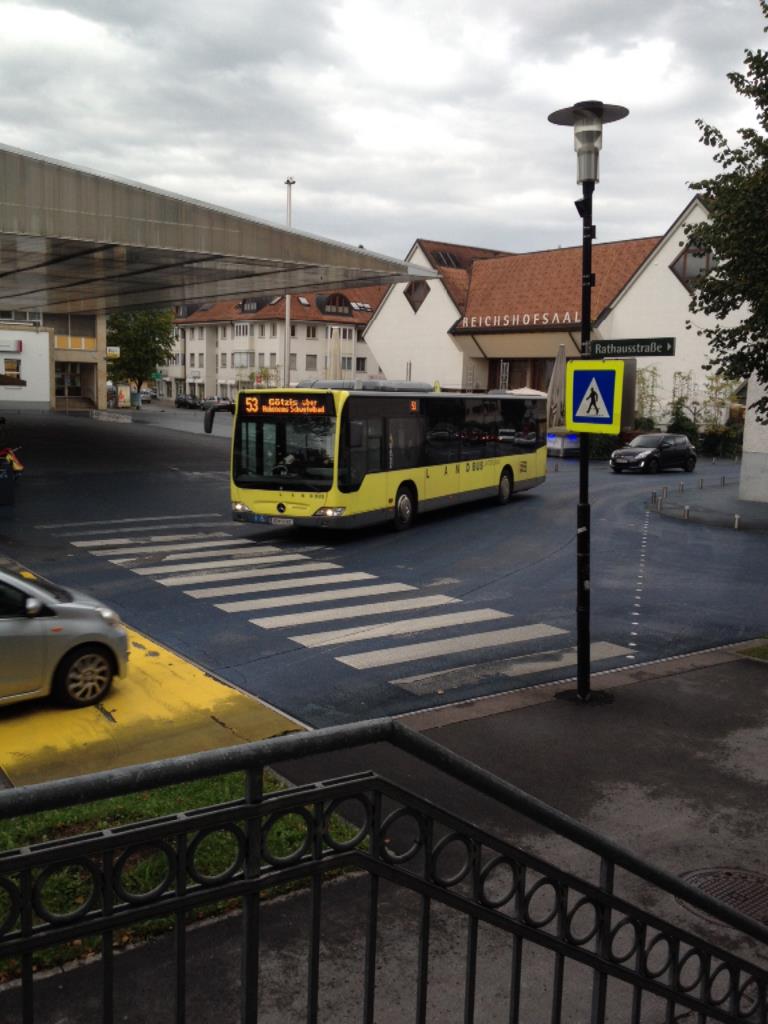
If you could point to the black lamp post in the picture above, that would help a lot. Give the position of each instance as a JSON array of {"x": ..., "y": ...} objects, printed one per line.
[{"x": 587, "y": 119}]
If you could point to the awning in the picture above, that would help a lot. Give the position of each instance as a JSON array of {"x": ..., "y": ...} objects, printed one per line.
[{"x": 77, "y": 241}]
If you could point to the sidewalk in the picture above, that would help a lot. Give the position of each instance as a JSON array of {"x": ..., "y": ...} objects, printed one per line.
[
  {"x": 716, "y": 503},
  {"x": 674, "y": 769}
]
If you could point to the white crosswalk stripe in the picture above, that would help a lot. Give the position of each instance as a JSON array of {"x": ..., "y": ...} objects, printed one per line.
[
  {"x": 166, "y": 568},
  {"x": 450, "y": 645},
  {"x": 295, "y": 584},
  {"x": 357, "y": 611},
  {"x": 225, "y": 556},
  {"x": 107, "y": 542},
  {"x": 197, "y": 545},
  {"x": 259, "y": 586},
  {"x": 513, "y": 668},
  {"x": 112, "y": 523},
  {"x": 352, "y": 634},
  {"x": 325, "y": 596},
  {"x": 143, "y": 529},
  {"x": 245, "y": 574}
]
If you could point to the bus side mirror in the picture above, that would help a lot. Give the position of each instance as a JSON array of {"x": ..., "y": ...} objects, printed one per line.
[{"x": 208, "y": 420}]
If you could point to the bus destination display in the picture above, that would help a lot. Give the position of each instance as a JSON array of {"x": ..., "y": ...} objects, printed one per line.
[{"x": 287, "y": 405}]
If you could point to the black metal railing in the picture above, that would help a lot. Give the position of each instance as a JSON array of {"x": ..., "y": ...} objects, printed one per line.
[{"x": 578, "y": 949}]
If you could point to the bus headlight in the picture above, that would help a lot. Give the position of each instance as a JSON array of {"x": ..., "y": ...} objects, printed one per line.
[
  {"x": 238, "y": 506},
  {"x": 331, "y": 513}
]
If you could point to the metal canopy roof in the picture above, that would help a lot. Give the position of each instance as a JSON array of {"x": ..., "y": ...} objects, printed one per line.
[{"x": 76, "y": 241}]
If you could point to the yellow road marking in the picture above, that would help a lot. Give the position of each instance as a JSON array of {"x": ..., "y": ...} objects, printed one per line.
[{"x": 164, "y": 707}]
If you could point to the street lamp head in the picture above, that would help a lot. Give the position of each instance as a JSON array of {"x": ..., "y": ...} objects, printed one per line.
[
  {"x": 587, "y": 119},
  {"x": 290, "y": 181}
]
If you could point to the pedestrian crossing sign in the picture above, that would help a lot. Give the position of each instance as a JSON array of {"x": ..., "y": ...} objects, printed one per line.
[{"x": 593, "y": 395}]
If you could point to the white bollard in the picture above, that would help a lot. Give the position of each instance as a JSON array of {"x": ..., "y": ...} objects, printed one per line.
[
  {"x": 736, "y": 520},
  {"x": 686, "y": 511}
]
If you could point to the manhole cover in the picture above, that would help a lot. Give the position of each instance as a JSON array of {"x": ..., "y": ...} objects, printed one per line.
[{"x": 746, "y": 891}]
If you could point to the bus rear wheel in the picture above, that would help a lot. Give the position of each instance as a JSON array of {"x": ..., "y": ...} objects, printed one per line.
[
  {"x": 405, "y": 508},
  {"x": 504, "y": 495}
]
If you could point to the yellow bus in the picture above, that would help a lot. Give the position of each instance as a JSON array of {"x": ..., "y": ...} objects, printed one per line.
[{"x": 365, "y": 453}]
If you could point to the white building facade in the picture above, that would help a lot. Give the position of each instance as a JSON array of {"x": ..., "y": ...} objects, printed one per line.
[{"x": 226, "y": 346}]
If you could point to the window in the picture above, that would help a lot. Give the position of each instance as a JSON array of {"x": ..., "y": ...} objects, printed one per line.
[
  {"x": 12, "y": 367},
  {"x": 445, "y": 259},
  {"x": 13, "y": 602},
  {"x": 273, "y": 330},
  {"x": 690, "y": 265},
  {"x": 346, "y": 333},
  {"x": 200, "y": 360},
  {"x": 192, "y": 359},
  {"x": 261, "y": 330},
  {"x": 262, "y": 364},
  {"x": 360, "y": 364},
  {"x": 292, "y": 364},
  {"x": 241, "y": 360},
  {"x": 311, "y": 331},
  {"x": 224, "y": 360},
  {"x": 310, "y": 362},
  {"x": 200, "y": 333},
  {"x": 303, "y": 301},
  {"x": 293, "y": 330},
  {"x": 338, "y": 303},
  {"x": 241, "y": 330},
  {"x": 346, "y": 362},
  {"x": 360, "y": 334},
  {"x": 416, "y": 292},
  {"x": 272, "y": 360}
]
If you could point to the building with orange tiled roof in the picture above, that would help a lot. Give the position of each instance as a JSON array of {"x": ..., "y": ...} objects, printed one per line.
[
  {"x": 222, "y": 347},
  {"x": 498, "y": 320},
  {"x": 410, "y": 329}
]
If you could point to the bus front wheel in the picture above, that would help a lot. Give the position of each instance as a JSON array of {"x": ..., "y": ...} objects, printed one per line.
[
  {"x": 405, "y": 508},
  {"x": 505, "y": 487}
]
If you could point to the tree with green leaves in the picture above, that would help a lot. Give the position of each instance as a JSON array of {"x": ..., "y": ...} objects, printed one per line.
[
  {"x": 145, "y": 339},
  {"x": 734, "y": 291}
]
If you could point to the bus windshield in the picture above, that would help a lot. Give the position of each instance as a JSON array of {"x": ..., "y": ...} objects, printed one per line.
[{"x": 284, "y": 442}]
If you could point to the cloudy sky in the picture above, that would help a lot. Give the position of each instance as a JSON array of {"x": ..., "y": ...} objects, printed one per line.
[{"x": 398, "y": 118}]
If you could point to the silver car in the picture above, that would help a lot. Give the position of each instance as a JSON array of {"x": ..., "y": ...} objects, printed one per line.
[{"x": 55, "y": 641}]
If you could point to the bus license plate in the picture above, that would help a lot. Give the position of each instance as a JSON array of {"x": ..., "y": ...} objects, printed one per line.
[{"x": 257, "y": 517}]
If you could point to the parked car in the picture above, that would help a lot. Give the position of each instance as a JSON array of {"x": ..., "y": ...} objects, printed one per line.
[
  {"x": 652, "y": 452},
  {"x": 217, "y": 402},
  {"x": 187, "y": 402},
  {"x": 56, "y": 642},
  {"x": 147, "y": 395}
]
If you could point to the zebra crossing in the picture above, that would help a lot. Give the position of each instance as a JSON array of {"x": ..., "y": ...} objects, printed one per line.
[{"x": 361, "y": 620}]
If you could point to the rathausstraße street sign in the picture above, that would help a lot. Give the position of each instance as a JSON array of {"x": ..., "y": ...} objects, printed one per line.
[{"x": 628, "y": 347}]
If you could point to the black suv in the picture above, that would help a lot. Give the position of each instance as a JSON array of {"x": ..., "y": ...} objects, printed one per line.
[{"x": 652, "y": 452}]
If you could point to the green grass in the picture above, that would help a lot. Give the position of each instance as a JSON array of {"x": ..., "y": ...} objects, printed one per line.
[
  {"x": 760, "y": 651},
  {"x": 67, "y": 889}
]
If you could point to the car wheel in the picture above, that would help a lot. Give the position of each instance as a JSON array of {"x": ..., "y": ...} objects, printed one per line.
[
  {"x": 504, "y": 495},
  {"x": 690, "y": 464},
  {"x": 651, "y": 466},
  {"x": 405, "y": 508},
  {"x": 616, "y": 469},
  {"x": 84, "y": 676}
]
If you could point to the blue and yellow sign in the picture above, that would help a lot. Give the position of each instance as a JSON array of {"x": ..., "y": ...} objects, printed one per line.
[{"x": 593, "y": 395}]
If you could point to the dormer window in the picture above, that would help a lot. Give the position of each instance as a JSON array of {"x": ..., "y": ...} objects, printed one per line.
[
  {"x": 416, "y": 292},
  {"x": 692, "y": 264},
  {"x": 338, "y": 304},
  {"x": 445, "y": 258}
]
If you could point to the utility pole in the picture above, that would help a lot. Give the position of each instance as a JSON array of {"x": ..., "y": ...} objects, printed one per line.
[{"x": 289, "y": 183}]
